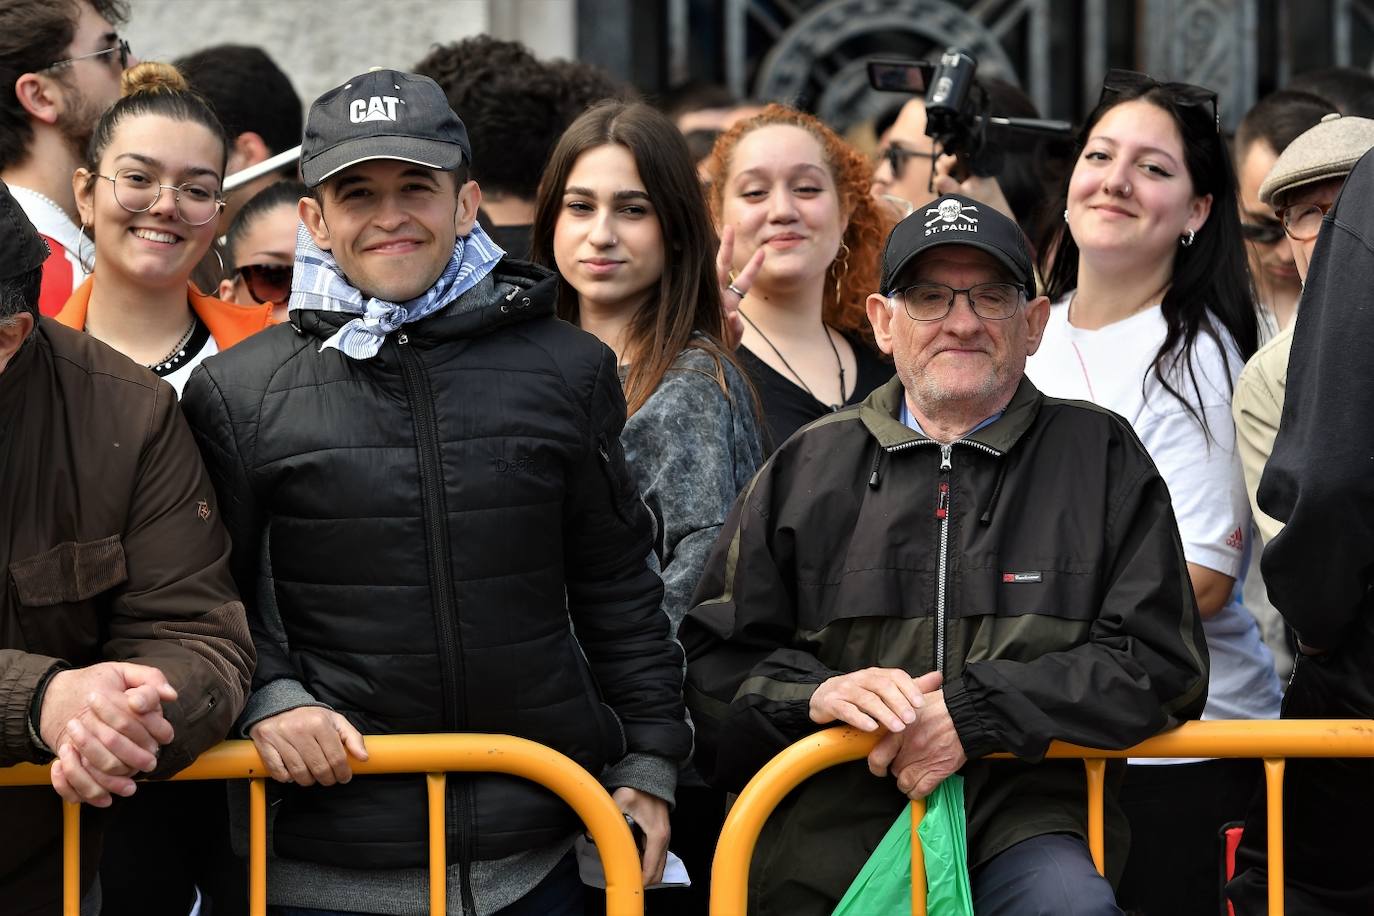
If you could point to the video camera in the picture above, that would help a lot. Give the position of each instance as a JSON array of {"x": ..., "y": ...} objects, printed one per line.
[{"x": 957, "y": 116}]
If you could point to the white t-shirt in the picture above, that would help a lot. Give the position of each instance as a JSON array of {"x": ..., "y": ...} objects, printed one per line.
[{"x": 1112, "y": 367}]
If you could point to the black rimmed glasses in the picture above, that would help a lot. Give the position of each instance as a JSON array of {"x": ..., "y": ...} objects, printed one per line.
[
  {"x": 897, "y": 157},
  {"x": 267, "y": 282},
  {"x": 1262, "y": 232},
  {"x": 1134, "y": 83},
  {"x": 1304, "y": 221},
  {"x": 122, "y": 49},
  {"x": 933, "y": 301},
  {"x": 136, "y": 191}
]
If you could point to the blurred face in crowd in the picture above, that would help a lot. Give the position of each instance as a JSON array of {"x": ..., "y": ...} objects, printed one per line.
[
  {"x": 264, "y": 255},
  {"x": 607, "y": 242},
  {"x": 1302, "y": 212},
  {"x": 906, "y": 159},
  {"x": 963, "y": 360},
  {"x": 1271, "y": 258},
  {"x": 160, "y": 246},
  {"x": 88, "y": 85},
  {"x": 779, "y": 194},
  {"x": 391, "y": 225},
  {"x": 1130, "y": 195}
]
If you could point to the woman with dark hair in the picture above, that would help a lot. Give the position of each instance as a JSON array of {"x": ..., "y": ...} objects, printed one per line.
[
  {"x": 621, "y": 216},
  {"x": 1153, "y": 318},
  {"x": 260, "y": 248},
  {"x": 783, "y": 183},
  {"x": 150, "y": 194}
]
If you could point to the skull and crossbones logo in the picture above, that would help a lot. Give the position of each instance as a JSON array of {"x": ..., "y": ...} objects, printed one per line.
[{"x": 950, "y": 210}]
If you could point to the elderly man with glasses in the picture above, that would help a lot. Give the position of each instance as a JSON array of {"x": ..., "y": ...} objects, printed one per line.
[
  {"x": 60, "y": 65},
  {"x": 961, "y": 564}
]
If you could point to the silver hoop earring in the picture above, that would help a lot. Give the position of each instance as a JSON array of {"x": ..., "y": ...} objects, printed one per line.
[
  {"x": 1187, "y": 240},
  {"x": 1066, "y": 214}
]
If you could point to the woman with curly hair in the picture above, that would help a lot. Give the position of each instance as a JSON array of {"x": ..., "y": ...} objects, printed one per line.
[{"x": 784, "y": 183}]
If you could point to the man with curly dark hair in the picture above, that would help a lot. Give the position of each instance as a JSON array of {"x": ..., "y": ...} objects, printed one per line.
[
  {"x": 60, "y": 64},
  {"x": 516, "y": 107}
]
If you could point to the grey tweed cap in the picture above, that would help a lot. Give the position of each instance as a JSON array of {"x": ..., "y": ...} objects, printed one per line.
[{"x": 1328, "y": 150}]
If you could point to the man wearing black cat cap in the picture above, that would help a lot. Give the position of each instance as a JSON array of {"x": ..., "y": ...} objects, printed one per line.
[
  {"x": 123, "y": 646},
  {"x": 959, "y": 561}
]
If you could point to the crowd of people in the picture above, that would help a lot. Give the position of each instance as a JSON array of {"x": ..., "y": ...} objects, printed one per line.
[{"x": 665, "y": 432}]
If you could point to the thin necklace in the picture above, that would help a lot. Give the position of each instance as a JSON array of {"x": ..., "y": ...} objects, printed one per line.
[
  {"x": 176, "y": 350},
  {"x": 795, "y": 374}
]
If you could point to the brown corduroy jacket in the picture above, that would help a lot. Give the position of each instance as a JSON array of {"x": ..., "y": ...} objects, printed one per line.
[{"x": 112, "y": 550}]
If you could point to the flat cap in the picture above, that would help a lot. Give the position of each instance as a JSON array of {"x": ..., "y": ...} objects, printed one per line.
[
  {"x": 1328, "y": 150},
  {"x": 22, "y": 249}
]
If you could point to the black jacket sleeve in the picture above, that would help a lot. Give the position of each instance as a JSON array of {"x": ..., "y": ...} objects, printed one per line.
[
  {"x": 1144, "y": 666},
  {"x": 218, "y": 438},
  {"x": 1319, "y": 481},
  {"x": 748, "y": 689},
  {"x": 614, "y": 595}
]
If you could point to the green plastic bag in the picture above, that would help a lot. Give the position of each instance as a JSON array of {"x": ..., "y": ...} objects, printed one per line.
[{"x": 883, "y": 886}]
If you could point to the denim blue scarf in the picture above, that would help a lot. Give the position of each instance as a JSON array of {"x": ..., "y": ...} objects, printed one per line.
[{"x": 319, "y": 284}]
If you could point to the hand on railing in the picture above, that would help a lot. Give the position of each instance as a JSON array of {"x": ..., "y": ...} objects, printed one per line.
[
  {"x": 105, "y": 723},
  {"x": 650, "y": 814},
  {"x": 307, "y": 745},
  {"x": 923, "y": 753}
]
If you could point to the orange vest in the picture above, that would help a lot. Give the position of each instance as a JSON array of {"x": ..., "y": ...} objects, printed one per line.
[{"x": 228, "y": 322}]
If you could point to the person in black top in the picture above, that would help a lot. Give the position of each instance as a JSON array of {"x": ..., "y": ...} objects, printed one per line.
[{"x": 784, "y": 184}]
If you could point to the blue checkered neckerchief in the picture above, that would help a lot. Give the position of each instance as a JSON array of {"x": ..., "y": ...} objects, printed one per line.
[{"x": 319, "y": 284}]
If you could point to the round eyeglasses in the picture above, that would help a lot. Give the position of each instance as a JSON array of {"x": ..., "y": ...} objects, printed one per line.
[
  {"x": 1304, "y": 221},
  {"x": 933, "y": 301},
  {"x": 197, "y": 202},
  {"x": 267, "y": 282}
]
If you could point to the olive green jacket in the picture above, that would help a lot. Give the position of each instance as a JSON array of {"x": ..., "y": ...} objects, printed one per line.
[{"x": 1036, "y": 562}]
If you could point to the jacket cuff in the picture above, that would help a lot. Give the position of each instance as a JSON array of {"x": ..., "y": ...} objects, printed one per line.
[
  {"x": 273, "y": 698},
  {"x": 21, "y": 678},
  {"x": 644, "y": 772},
  {"x": 974, "y": 733}
]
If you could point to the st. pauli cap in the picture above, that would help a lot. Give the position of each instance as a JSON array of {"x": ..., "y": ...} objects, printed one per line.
[
  {"x": 957, "y": 220},
  {"x": 22, "y": 249},
  {"x": 382, "y": 114},
  {"x": 1326, "y": 150}
]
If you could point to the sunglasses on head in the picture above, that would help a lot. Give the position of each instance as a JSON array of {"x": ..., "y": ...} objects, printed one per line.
[
  {"x": 1134, "y": 84},
  {"x": 267, "y": 282}
]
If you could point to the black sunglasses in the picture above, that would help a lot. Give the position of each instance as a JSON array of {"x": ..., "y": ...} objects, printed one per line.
[
  {"x": 267, "y": 282},
  {"x": 1134, "y": 83},
  {"x": 1265, "y": 232},
  {"x": 898, "y": 156}
]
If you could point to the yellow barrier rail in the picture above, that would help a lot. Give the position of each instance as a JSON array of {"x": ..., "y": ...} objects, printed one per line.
[
  {"x": 433, "y": 755},
  {"x": 1271, "y": 741}
]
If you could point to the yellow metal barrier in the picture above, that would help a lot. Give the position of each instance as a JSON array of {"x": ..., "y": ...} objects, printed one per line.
[
  {"x": 434, "y": 755},
  {"x": 1271, "y": 741}
]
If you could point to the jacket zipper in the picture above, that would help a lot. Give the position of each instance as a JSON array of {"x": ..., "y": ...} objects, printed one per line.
[
  {"x": 942, "y": 513},
  {"x": 421, "y": 400}
]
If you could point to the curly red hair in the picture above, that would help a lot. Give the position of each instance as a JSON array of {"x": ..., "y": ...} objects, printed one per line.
[{"x": 868, "y": 226}]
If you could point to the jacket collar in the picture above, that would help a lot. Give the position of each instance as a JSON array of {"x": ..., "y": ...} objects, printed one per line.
[
  {"x": 881, "y": 414},
  {"x": 514, "y": 292},
  {"x": 228, "y": 322}
]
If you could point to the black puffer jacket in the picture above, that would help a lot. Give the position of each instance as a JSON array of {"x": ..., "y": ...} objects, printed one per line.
[{"x": 430, "y": 525}]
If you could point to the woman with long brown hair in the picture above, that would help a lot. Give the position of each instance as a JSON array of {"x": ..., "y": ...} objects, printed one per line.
[
  {"x": 784, "y": 183},
  {"x": 621, "y": 216}
]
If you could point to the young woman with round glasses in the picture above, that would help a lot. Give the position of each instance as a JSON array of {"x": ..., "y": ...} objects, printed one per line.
[
  {"x": 1153, "y": 318},
  {"x": 150, "y": 196},
  {"x": 260, "y": 248}
]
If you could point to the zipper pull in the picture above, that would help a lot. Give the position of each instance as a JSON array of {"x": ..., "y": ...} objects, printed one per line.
[
  {"x": 945, "y": 451},
  {"x": 402, "y": 339},
  {"x": 942, "y": 501}
]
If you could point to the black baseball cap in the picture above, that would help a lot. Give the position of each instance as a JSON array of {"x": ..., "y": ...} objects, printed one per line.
[
  {"x": 22, "y": 249},
  {"x": 958, "y": 220},
  {"x": 382, "y": 114}
]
